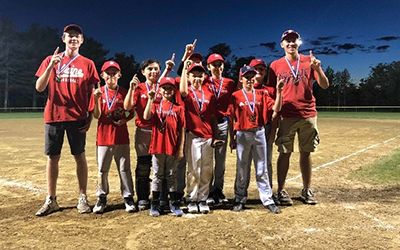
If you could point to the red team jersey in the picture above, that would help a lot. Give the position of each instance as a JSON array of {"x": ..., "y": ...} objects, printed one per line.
[
  {"x": 297, "y": 100},
  {"x": 241, "y": 113},
  {"x": 109, "y": 134},
  {"x": 68, "y": 100},
  {"x": 271, "y": 92},
  {"x": 200, "y": 127},
  {"x": 140, "y": 101},
  {"x": 222, "y": 101},
  {"x": 166, "y": 142}
]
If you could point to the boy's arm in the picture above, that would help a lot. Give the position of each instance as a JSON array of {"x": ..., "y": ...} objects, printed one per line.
[
  {"x": 169, "y": 65},
  {"x": 231, "y": 125},
  {"x": 150, "y": 100},
  {"x": 315, "y": 64},
  {"x": 183, "y": 86},
  {"x": 128, "y": 101},
  {"x": 278, "y": 100},
  {"x": 181, "y": 143},
  {"x": 43, "y": 80}
]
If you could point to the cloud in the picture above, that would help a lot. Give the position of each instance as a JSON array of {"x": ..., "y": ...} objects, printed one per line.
[
  {"x": 349, "y": 46},
  {"x": 382, "y": 48},
  {"x": 270, "y": 46},
  {"x": 388, "y": 38},
  {"x": 326, "y": 38}
]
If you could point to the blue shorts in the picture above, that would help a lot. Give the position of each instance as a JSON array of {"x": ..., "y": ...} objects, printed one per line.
[{"x": 54, "y": 137}]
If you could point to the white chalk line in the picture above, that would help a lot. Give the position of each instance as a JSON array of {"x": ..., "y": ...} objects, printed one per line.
[{"x": 380, "y": 222}]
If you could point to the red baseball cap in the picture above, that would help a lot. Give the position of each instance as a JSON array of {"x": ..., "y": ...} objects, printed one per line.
[
  {"x": 73, "y": 27},
  {"x": 196, "y": 65},
  {"x": 167, "y": 80},
  {"x": 215, "y": 57},
  {"x": 110, "y": 64},
  {"x": 256, "y": 62},
  {"x": 196, "y": 54},
  {"x": 289, "y": 32}
]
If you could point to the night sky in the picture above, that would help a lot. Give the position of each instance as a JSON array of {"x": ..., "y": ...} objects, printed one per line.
[{"x": 342, "y": 34}]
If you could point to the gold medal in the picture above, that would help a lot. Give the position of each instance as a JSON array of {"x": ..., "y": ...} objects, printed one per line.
[
  {"x": 57, "y": 78},
  {"x": 162, "y": 129},
  {"x": 252, "y": 118},
  {"x": 296, "y": 81}
]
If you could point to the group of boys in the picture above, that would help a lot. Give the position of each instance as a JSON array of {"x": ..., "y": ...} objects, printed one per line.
[{"x": 181, "y": 121}]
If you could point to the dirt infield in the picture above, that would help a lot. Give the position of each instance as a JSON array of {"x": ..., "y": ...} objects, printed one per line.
[{"x": 350, "y": 214}]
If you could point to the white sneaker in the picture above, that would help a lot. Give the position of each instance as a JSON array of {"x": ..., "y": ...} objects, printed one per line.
[
  {"x": 203, "y": 207},
  {"x": 100, "y": 205},
  {"x": 129, "y": 205},
  {"x": 50, "y": 206},
  {"x": 83, "y": 204},
  {"x": 192, "y": 208}
]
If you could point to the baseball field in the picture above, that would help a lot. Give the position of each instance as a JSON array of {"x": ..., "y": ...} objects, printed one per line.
[{"x": 353, "y": 212}]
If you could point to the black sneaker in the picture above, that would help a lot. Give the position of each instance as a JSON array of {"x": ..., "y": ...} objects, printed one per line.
[
  {"x": 273, "y": 208},
  {"x": 238, "y": 207},
  {"x": 284, "y": 198},
  {"x": 129, "y": 205},
  {"x": 308, "y": 196},
  {"x": 220, "y": 197},
  {"x": 100, "y": 205}
]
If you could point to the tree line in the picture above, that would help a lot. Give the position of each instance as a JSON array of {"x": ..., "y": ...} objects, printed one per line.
[{"x": 22, "y": 52}]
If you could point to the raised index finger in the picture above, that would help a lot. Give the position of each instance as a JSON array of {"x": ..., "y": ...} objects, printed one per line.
[
  {"x": 134, "y": 76},
  {"x": 311, "y": 54},
  {"x": 194, "y": 43},
  {"x": 98, "y": 85},
  {"x": 173, "y": 57},
  {"x": 56, "y": 51}
]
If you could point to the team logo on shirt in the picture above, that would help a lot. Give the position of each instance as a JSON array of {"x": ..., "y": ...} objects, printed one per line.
[{"x": 241, "y": 104}]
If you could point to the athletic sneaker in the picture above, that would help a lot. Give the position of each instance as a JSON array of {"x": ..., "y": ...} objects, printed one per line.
[
  {"x": 203, "y": 207},
  {"x": 100, "y": 205},
  {"x": 129, "y": 205},
  {"x": 237, "y": 207},
  {"x": 155, "y": 209},
  {"x": 175, "y": 209},
  {"x": 164, "y": 206},
  {"x": 50, "y": 206},
  {"x": 192, "y": 207},
  {"x": 210, "y": 201},
  {"x": 220, "y": 197},
  {"x": 308, "y": 196},
  {"x": 273, "y": 208},
  {"x": 284, "y": 198},
  {"x": 143, "y": 205},
  {"x": 83, "y": 204}
]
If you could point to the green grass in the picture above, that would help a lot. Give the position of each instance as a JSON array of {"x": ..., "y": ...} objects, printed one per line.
[
  {"x": 359, "y": 115},
  {"x": 22, "y": 115},
  {"x": 385, "y": 170}
]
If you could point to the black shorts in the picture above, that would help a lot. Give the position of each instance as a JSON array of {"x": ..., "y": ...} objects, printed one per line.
[{"x": 54, "y": 137}]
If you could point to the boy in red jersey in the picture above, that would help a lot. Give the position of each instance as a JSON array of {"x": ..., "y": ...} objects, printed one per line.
[
  {"x": 201, "y": 124},
  {"x": 69, "y": 77},
  {"x": 137, "y": 98},
  {"x": 261, "y": 68},
  {"x": 298, "y": 114},
  {"x": 166, "y": 146},
  {"x": 222, "y": 88},
  {"x": 247, "y": 111},
  {"x": 112, "y": 136}
]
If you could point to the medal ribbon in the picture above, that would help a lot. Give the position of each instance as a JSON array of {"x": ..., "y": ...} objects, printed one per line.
[
  {"x": 61, "y": 69},
  {"x": 110, "y": 102},
  {"x": 160, "y": 112},
  {"x": 200, "y": 104},
  {"x": 148, "y": 87},
  {"x": 217, "y": 93},
  {"x": 290, "y": 66},
  {"x": 254, "y": 100}
]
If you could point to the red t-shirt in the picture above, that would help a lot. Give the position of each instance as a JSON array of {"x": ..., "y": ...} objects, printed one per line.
[
  {"x": 199, "y": 126},
  {"x": 109, "y": 134},
  {"x": 166, "y": 142},
  {"x": 68, "y": 100},
  {"x": 140, "y": 101},
  {"x": 227, "y": 88},
  {"x": 240, "y": 111},
  {"x": 297, "y": 100},
  {"x": 271, "y": 92}
]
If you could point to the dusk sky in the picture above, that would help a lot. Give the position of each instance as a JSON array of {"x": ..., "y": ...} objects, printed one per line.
[{"x": 342, "y": 34}]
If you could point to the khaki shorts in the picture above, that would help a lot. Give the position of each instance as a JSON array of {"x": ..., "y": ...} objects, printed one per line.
[{"x": 307, "y": 131}]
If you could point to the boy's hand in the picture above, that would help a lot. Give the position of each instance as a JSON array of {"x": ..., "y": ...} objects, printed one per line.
[
  {"x": 232, "y": 144},
  {"x": 134, "y": 82},
  {"x": 315, "y": 64},
  {"x": 190, "y": 48},
  {"x": 218, "y": 143},
  {"x": 119, "y": 122},
  {"x": 179, "y": 155},
  {"x": 188, "y": 63},
  {"x": 279, "y": 85},
  {"x": 97, "y": 93},
  {"x": 170, "y": 63},
  {"x": 55, "y": 59},
  {"x": 151, "y": 94}
]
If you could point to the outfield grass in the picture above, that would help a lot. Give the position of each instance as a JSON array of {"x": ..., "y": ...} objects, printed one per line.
[
  {"x": 359, "y": 115},
  {"x": 385, "y": 170},
  {"x": 23, "y": 115}
]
